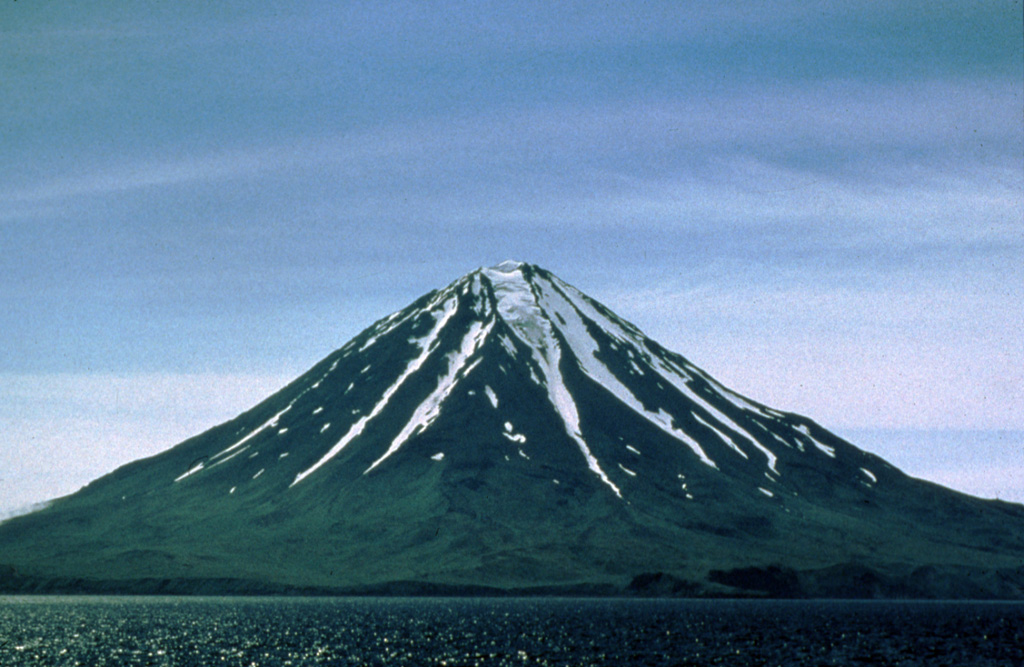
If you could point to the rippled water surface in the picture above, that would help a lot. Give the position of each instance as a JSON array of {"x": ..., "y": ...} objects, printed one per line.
[{"x": 381, "y": 631}]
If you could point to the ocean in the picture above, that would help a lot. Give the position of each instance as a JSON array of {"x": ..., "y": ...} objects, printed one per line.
[{"x": 94, "y": 631}]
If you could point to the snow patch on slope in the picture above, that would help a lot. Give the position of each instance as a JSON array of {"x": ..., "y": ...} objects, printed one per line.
[
  {"x": 585, "y": 348},
  {"x": 270, "y": 423},
  {"x": 192, "y": 469},
  {"x": 491, "y": 396},
  {"x": 511, "y": 434},
  {"x": 427, "y": 345},
  {"x": 829, "y": 451},
  {"x": 676, "y": 377},
  {"x": 518, "y": 307},
  {"x": 430, "y": 408},
  {"x": 630, "y": 337},
  {"x": 722, "y": 436}
]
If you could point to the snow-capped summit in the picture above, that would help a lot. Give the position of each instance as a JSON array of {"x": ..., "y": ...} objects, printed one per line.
[
  {"x": 528, "y": 321},
  {"x": 508, "y": 266},
  {"x": 508, "y": 431}
]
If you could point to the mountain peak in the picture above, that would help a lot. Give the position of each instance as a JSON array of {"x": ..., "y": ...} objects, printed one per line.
[{"x": 508, "y": 266}]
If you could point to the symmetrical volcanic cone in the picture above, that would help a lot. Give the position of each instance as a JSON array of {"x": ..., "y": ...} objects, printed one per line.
[{"x": 510, "y": 433}]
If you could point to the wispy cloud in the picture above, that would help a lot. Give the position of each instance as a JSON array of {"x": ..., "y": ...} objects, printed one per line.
[
  {"x": 143, "y": 175},
  {"x": 758, "y": 141}
]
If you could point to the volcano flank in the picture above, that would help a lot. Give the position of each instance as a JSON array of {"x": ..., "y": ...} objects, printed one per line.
[{"x": 509, "y": 435}]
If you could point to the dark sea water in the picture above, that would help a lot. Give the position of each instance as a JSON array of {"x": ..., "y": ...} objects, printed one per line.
[{"x": 381, "y": 631}]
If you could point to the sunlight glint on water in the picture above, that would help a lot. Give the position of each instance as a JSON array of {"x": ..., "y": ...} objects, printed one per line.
[{"x": 68, "y": 631}]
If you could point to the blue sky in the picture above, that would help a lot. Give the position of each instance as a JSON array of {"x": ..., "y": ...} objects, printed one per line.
[{"x": 820, "y": 203}]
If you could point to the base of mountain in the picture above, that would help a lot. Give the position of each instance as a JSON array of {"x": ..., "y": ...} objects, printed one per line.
[{"x": 848, "y": 581}]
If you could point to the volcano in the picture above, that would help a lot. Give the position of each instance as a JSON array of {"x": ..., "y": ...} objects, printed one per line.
[{"x": 509, "y": 435}]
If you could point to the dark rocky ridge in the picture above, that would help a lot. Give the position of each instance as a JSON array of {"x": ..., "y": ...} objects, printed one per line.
[{"x": 508, "y": 435}]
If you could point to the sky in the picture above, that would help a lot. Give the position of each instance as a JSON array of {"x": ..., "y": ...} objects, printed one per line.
[{"x": 819, "y": 203}]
